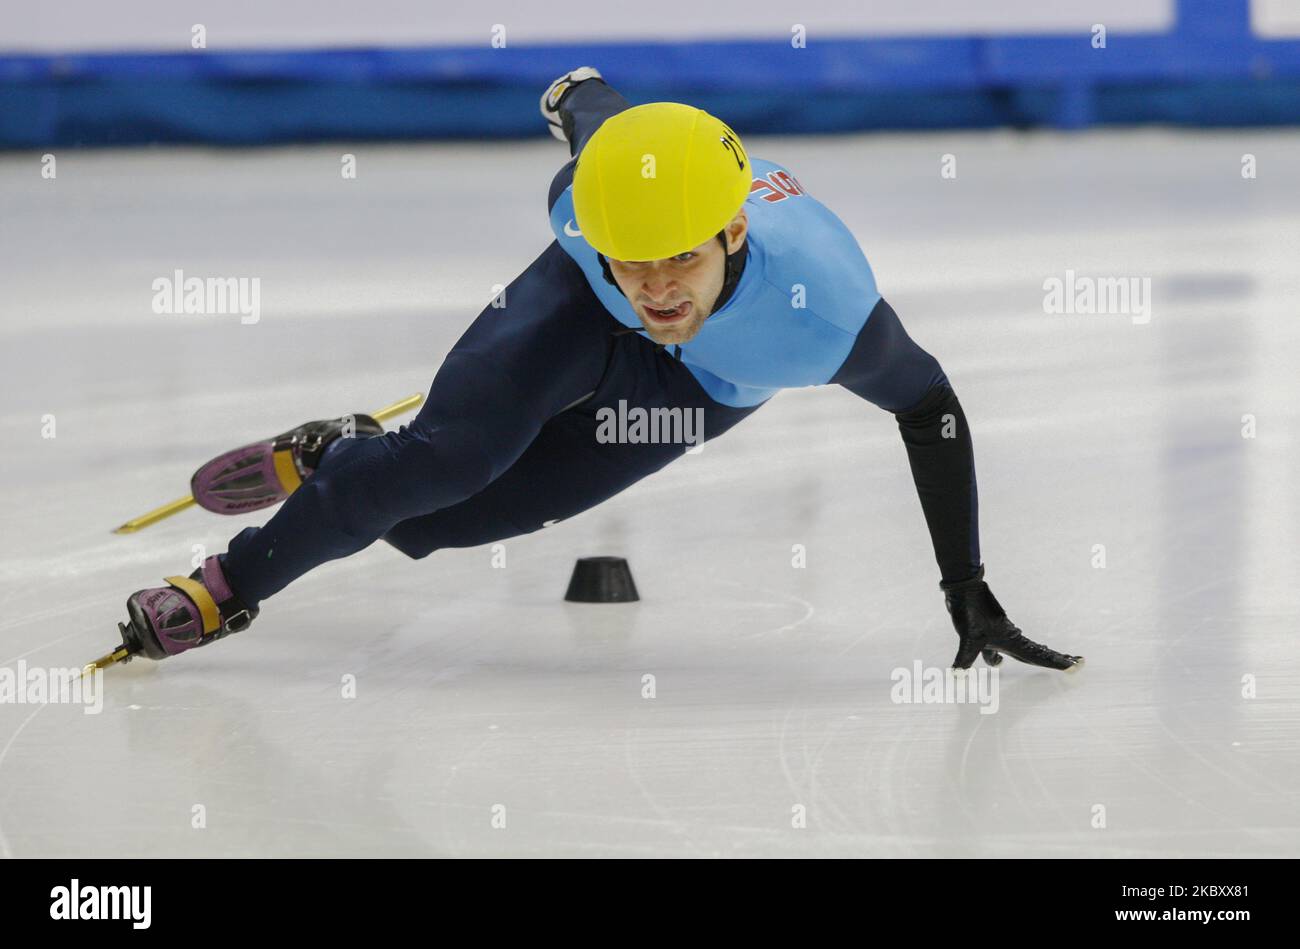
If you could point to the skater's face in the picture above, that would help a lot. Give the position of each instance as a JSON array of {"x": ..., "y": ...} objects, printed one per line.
[{"x": 674, "y": 296}]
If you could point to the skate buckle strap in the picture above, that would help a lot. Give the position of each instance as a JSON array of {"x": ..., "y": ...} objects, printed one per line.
[
  {"x": 202, "y": 599},
  {"x": 290, "y": 452},
  {"x": 286, "y": 470}
]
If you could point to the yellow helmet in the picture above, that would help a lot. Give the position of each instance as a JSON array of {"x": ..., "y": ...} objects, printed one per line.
[{"x": 658, "y": 179}]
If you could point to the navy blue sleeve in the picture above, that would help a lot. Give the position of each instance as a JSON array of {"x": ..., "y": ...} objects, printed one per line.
[
  {"x": 887, "y": 368},
  {"x": 583, "y": 110}
]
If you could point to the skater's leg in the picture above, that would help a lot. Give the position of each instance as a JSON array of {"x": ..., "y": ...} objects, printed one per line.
[
  {"x": 512, "y": 371},
  {"x": 335, "y": 451},
  {"x": 570, "y": 467}
]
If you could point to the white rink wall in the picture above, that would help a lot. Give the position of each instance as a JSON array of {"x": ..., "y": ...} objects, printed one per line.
[{"x": 84, "y": 25}]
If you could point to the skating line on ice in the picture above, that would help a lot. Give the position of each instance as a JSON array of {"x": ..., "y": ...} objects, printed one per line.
[
  {"x": 809, "y": 609},
  {"x": 45, "y": 645},
  {"x": 677, "y": 827},
  {"x": 815, "y": 801},
  {"x": 5, "y": 852},
  {"x": 1133, "y": 761}
]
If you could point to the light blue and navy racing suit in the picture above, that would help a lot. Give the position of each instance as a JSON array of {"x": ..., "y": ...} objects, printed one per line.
[{"x": 507, "y": 441}]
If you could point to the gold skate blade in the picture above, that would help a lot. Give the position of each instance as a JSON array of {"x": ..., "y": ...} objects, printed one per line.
[
  {"x": 120, "y": 654},
  {"x": 398, "y": 407},
  {"x": 156, "y": 515}
]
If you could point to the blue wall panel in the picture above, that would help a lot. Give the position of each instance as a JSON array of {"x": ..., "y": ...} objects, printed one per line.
[{"x": 1210, "y": 70}]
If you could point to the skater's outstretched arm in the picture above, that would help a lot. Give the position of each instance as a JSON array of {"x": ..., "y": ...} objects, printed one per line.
[{"x": 887, "y": 368}]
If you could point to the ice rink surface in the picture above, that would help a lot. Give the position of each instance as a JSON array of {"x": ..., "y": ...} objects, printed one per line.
[{"x": 481, "y": 695}]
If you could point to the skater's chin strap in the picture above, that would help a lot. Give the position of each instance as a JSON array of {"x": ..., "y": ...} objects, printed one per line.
[{"x": 735, "y": 269}]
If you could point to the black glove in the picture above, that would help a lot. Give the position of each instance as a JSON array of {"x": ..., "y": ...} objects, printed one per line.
[{"x": 983, "y": 628}]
